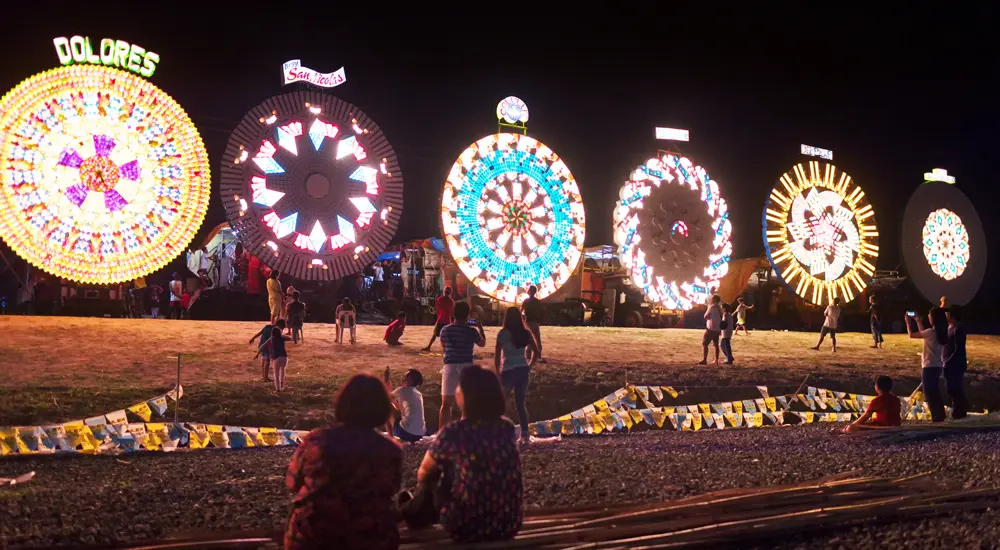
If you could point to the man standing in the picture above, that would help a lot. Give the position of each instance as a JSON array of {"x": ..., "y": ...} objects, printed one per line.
[
  {"x": 444, "y": 306},
  {"x": 176, "y": 293},
  {"x": 713, "y": 329},
  {"x": 876, "y": 322},
  {"x": 955, "y": 363},
  {"x": 533, "y": 312},
  {"x": 831, "y": 317},
  {"x": 378, "y": 280},
  {"x": 459, "y": 340}
]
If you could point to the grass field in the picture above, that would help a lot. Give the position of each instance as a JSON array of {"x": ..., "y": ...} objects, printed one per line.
[{"x": 60, "y": 368}]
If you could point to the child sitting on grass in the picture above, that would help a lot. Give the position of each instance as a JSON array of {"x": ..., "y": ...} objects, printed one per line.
[
  {"x": 409, "y": 403},
  {"x": 264, "y": 351},
  {"x": 395, "y": 330},
  {"x": 883, "y": 411}
]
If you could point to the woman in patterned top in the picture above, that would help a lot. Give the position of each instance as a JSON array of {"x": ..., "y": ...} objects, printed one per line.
[
  {"x": 476, "y": 463},
  {"x": 345, "y": 476}
]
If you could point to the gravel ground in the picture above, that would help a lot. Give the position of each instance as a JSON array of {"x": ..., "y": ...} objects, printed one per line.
[{"x": 103, "y": 500}]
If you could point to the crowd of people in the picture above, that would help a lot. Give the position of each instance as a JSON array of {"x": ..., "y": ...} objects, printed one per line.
[{"x": 347, "y": 478}]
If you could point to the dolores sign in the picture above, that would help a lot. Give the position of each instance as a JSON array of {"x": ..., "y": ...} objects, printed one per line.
[
  {"x": 109, "y": 52},
  {"x": 293, "y": 71}
]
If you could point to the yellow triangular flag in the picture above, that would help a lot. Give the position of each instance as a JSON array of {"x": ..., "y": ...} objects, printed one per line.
[{"x": 142, "y": 410}]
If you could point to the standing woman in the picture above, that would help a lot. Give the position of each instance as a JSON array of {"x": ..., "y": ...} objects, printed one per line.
[
  {"x": 517, "y": 348},
  {"x": 955, "y": 363},
  {"x": 935, "y": 337},
  {"x": 345, "y": 476},
  {"x": 274, "y": 296}
]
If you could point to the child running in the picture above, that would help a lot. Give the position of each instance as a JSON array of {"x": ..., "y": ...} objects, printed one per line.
[
  {"x": 295, "y": 312},
  {"x": 279, "y": 356},
  {"x": 395, "y": 330},
  {"x": 883, "y": 411},
  {"x": 409, "y": 403},
  {"x": 741, "y": 316},
  {"x": 264, "y": 351}
]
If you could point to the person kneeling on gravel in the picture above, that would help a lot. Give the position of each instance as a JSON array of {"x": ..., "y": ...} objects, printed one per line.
[{"x": 883, "y": 411}]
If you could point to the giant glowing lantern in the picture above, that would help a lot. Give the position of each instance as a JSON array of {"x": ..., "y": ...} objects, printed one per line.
[
  {"x": 311, "y": 185},
  {"x": 944, "y": 246},
  {"x": 820, "y": 233},
  {"x": 512, "y": 214},
  {"x": 673, "y": 231},
  {"x": 105, "y": 178}
]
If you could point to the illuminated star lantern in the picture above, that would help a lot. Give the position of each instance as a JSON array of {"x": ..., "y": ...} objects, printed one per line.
[
  {"x": 673, "y": 232},
  {"x": 513, "y": 217},
  {"x": 946, "y": 244},
  {"x": 321, "y": 173},
  {"x": 105, "y": 178},
  {"x": 820, "y": 233}
]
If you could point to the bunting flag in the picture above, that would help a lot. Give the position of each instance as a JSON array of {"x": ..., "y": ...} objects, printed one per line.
[
  {"x": 113, "y": 432},
  {"x": 635, "y": 407}
]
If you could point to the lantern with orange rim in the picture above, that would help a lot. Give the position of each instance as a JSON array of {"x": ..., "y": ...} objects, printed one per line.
[
  {"x": 820, "y": 233},
  {"x": 105, "y": 177}
]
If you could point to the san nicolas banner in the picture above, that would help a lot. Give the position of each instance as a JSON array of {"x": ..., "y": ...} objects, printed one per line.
[{"x": 293, "y": 71}]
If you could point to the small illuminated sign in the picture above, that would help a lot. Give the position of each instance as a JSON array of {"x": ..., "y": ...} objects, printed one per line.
[
  {"x": 293, "y": 71},
  {"x": 512, "y": 110},
  {"x": 110, "y": 52},
  {"x": 811, "y": 151},
  {"x": 938, "y": 174},
  {"x": 673, "y": 134}
]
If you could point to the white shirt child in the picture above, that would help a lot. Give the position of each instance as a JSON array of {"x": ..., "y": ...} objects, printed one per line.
[
  {"x": 411, "y": 410},
  {"x": 832, "y": 314}
]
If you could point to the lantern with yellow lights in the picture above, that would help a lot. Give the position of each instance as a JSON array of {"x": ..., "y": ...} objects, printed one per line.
[
  {"x": 820, "y": 233},
  {"x": 105, "y": 177}
]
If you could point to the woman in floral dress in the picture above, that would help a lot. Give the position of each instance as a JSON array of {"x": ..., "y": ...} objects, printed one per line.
[
  {"x": 345, "y": 476},
  {"x": 476, "y": 465}
]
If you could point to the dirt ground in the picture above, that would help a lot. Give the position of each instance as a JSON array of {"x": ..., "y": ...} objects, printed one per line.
[{"x": 61, "y": 368}]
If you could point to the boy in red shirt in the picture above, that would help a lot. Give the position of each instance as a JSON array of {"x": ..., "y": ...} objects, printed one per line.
[
  {"x": 883, "y": 411},
  {"x": 395, "y": 330}
]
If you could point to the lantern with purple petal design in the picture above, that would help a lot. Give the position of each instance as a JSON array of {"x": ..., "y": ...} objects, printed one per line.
[{"x": 105, "y": 179}]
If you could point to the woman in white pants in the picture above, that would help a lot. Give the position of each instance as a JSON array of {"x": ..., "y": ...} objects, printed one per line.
[{"x": 346, "y": 319}]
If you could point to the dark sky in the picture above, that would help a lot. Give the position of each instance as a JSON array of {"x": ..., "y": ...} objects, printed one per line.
[{"x": 892, "y": 93}]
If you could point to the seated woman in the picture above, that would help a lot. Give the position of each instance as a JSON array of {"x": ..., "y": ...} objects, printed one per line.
[
  {"x": 473, "y": 466},
  {"x": 345, "y": 476}
]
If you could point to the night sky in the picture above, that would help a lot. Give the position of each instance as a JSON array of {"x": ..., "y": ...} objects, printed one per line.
[{"x": 893, "y": 94}]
